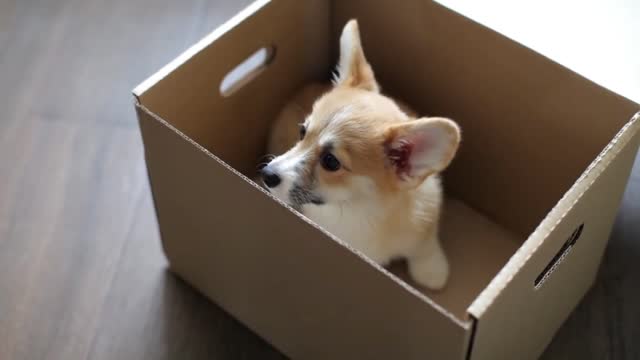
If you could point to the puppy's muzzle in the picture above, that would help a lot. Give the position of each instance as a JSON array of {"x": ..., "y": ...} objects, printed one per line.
[{"x": 270, "y": 177}]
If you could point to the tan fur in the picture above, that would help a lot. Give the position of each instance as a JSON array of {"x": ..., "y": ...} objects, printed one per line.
[{"x": 378, "y": 206}]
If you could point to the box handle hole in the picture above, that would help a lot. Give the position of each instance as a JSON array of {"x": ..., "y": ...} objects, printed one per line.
[
  {"x": 558, "y": 258},
  {"x": 247, "y": 70}
]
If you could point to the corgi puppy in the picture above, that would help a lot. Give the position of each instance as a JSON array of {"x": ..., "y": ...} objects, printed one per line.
[{"x": 364, "y": 167}]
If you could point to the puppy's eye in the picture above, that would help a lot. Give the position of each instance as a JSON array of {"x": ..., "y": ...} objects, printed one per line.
[
  {"x": 303, "y": 131},
  {"x": 330, "y": 162}
]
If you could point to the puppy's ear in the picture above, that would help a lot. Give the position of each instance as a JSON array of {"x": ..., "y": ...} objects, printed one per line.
[
  {"x": 419, "y": 148},
  {"x": 353, "y": 68}
]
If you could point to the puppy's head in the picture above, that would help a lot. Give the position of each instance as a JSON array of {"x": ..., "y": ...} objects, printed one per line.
[{"x": 357, "y": 143}]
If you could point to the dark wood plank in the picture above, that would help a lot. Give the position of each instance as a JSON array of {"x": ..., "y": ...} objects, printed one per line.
[
  {"x": 173, "y": 320},
  {"x": 82, "y": 275},
  {"x": 81, "y": 270}
]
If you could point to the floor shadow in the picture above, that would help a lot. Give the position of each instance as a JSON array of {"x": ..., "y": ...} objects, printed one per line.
[{"x": 195, "y": 328}]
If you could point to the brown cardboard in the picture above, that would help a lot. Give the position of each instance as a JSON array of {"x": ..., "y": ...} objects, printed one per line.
[
  {"x": 288, "y": 281},
  {"x": 186, "y": 91},
  {"x": 515, "y": 318},
  {"x": 531, "y": 170},
  {"x": 480, "y": 242}
]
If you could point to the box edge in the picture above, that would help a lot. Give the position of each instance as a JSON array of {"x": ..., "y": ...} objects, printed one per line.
[{"x": 486, "y": 298}]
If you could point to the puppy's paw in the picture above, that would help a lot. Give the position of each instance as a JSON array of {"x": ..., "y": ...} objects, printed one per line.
[{"x": 430, "y": 270}]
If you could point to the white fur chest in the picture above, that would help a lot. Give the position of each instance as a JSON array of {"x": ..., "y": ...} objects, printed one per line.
[
  {"x": 363, "y": 228},
  {"x": 383, "y": 231}
]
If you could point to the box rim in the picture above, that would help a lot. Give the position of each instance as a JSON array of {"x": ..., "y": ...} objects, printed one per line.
[{"x": 584, "y": 182}]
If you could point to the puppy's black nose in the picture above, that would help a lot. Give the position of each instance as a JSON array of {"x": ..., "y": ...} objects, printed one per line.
[{"x": 270, "y": 178}]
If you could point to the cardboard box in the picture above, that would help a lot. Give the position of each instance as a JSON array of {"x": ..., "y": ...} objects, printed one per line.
[{"x": 533, "y": 192}]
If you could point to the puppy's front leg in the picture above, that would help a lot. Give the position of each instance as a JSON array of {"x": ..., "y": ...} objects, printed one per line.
[{"x": 428, "y": 265}]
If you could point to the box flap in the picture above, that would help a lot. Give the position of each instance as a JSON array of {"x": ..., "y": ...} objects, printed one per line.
[
  {"x": 549, "y": 274},
  {"x": 291, "y": 282}
]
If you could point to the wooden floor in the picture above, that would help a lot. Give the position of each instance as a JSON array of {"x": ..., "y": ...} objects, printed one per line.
[{"x": 82, "y": 275}]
